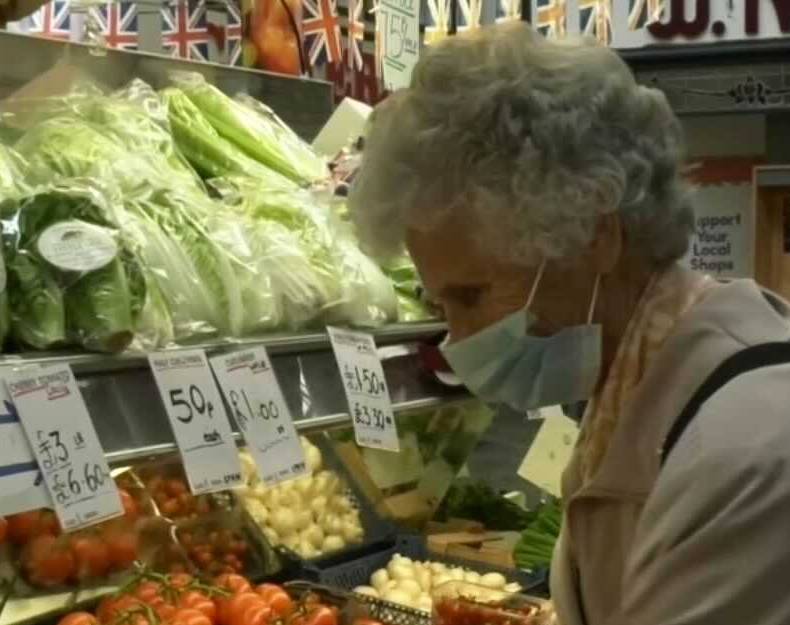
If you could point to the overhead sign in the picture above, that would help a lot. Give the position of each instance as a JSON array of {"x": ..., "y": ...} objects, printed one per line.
[{"x": 639, "y": 23}]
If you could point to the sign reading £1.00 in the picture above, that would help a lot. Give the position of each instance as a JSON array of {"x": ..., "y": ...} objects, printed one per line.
[{"x": 639, "y": 23}]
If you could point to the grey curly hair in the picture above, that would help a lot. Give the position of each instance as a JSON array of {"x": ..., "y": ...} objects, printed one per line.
[{"x": 534, "y": 140}]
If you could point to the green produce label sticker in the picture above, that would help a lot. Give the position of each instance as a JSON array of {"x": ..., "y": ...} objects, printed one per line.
[{"x": 77, "y": 246}]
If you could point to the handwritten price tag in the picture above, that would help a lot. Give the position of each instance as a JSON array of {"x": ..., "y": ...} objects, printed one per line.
[
  {"x": 256, "y": 401},
  {"x": 398, "y": 34},
  {"x": 66, "y": 446},
  {"x": 21, "y": 481},
  {"x": 198, "y": 418},
  {"x": 366, "y": 389}
]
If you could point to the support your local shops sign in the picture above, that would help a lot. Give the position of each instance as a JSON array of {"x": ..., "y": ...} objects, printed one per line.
[{"x": 638, "y": 23}]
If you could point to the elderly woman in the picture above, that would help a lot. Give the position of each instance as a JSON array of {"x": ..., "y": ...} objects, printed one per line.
[{"x": 540, "y": 192}]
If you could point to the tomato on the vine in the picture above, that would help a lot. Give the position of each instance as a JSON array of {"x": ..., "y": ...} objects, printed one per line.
[
  {"x": 233, "y": 582},
  {"x": 122, "y": 548},
  {"x": 237, "y": 606},
  {"x": 48, "y": 562},
  {"x": 279, "y": 600},
  {"x": 198, "y": 601},
  {"x": 322, "y": 615},
  {"x": 148, "y": 591},
  {"x": 189, "y": 616},
  {"x": 256, "y": 614},
  {"x": 78, "y": 618},
  {"x": 179, "y": 580}
]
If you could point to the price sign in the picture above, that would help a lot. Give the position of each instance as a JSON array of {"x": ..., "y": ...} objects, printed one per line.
[
  {"x": 257, "y": 404},
  {"x": 21, "y": 481},
  {"x": 398, "y": 35},
  {"x": 198, "y": 418},
  {"x": 366, "y": 389},
  {"x": 64, "y": 442}
]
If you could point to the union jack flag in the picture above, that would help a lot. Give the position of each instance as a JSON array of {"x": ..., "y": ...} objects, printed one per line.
[
  {"x": 551, "y": 17},
  {"x": 355, "y": 34},
  {"x": 508, "y": 10},
  {"x": 321, "y": 28},
  {"x": 118, "y": 22},
  {"x": 53, "y": 20},
  {"x": 440, "y": 16},
  {"x": 596, "y": 19},
  {"x": 643, "y": 12},
  {"x": 471, "y": 11},
  {"x": 185, "y": 31}
]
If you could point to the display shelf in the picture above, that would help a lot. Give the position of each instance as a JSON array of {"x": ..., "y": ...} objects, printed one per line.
[{"x": 131, "y": 422}]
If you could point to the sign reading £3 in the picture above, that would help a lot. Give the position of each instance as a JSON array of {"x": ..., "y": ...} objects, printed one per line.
[{"x": 639, "y": 23}]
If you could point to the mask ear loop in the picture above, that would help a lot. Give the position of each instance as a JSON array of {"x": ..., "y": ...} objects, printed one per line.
[
  {"x": 535, "y": 284},
  {"x": 594, "y": 299}
]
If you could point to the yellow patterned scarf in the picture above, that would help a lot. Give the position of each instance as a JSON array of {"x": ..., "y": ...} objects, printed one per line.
[{"x": 668, "y": 297}]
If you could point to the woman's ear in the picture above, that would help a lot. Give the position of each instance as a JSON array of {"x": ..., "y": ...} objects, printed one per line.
[{"x": 606, "y": 247}]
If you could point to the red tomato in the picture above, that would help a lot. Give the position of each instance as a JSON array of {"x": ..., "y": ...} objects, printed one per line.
[
  {"x": 148, "y": 591},
  {"x": 256, "y": 614},
  {"x": 234, "y": 583},
  {"x": 130, "y": 508},
  {"x": 321, "y": 615},
  {"x": 188, "y": 616},
  {"x": 3, "y": 529},
  {"x": 166, "y": 611},
  {"x": 237, "y": 606},
  {"x": 112, "y": 607},
  {"x": 48, "y": 523},
  {"x": 23, "y": 527},
  {"x": 367, "y": 621},
  {"x": 179, "y": 580},
  {"x": 122, "y": 549},
  {"x": 48, "y": 561},
  {"x": 279, "y": 600},
  {"x": 198, "y": 601},
  {"x": 176, "y": 488},
  {"x": 78, "y": 618},
  {"x": 91, "y": 555}
]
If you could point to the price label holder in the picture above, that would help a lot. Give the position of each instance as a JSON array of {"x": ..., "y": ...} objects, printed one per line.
[
  {"x": 256, "y": 402},
  {"x": 64, "y": 442},
  {"x": 366, "y": 389},
  {"x": 398, "y": 37},
  {"x": 198, "y": 417}
]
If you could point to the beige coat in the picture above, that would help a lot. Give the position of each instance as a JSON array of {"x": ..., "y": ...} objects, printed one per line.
[{"x": 707, "y": 542}]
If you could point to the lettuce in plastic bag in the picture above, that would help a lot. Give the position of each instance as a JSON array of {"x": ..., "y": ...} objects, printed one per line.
[
  {"x": 256, "y": 130},
  {"x": 54, "y": 304}
]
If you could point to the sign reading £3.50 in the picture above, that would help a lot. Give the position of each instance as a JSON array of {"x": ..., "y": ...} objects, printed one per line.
[{"x": 638, "y": 23}]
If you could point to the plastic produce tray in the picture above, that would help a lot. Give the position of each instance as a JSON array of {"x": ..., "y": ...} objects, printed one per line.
[{"x": 352, "y": 573}]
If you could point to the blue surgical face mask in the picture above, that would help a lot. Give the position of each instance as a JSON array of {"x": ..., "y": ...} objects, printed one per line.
[{"x": 504, "y": 363}]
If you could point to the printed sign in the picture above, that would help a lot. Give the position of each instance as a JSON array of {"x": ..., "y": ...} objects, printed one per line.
[
  {"x": 723, "y": 241},
  {"x": 256, "y": 402},
  {"x": 197, "y": 415},
  {"x": 21, "y": 481},
  {"x": 65, "y": 444},
  {"x": 398, "y": 38},
  {"x": 366, "y": 389}
]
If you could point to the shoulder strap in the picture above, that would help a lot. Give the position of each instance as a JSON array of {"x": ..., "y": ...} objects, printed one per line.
[{"x": 749, "y": 359}]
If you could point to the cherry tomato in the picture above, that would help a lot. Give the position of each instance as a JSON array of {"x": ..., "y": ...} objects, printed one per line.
[
  {"x": 23, "y": 527},
  {"x": 48, "y": 561},
  {"x": 189, "y": 616},
  {"x": 234, "y": 583},
  {"x": 78, "y": 618},
  {"x": 148, "y": 591},
  {"x": 170, "y": 508},
  {"x": 179, "y": 580},
  {"x": 112, "y": 607},
  {"x": 166, "y": 611},
  {"x": 198, "y": 601},
  {"x": 122, "y": 549},
  {"x": 130, "y": 508},
  {"x": 176, "y": 488},
  {"x": 92, "y": 556},
  {"x": 321, "y": 615},
  {"x": 279, "y": 600}
]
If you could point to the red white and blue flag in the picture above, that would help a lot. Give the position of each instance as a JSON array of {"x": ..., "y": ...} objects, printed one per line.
[
  {"x": 551, "y": 17},
  {"x": 52, "y": 20},
  {"x": 321, "y": 29},
  {"x": 118, "y": 22}
]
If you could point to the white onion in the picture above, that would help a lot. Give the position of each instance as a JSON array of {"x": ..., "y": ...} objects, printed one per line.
[
  {"x": 424, "y": 603},
  {"x": 366, "y": 590},
  {"x": 333, "y": 543},
  {"x": 493, "y": 580},
  {"x": 411, "y": 587},
  {"x": 398, "y": 596},
  {"x": 379, "y": 579}
]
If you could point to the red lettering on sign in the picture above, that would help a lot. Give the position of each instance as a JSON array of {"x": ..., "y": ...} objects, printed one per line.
[
  {"x": 752, "y": 17},
  {"x": 677, "y": 24}
]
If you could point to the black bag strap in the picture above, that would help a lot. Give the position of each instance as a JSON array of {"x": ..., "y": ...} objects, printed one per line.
[{"x": 749, "y": 359}]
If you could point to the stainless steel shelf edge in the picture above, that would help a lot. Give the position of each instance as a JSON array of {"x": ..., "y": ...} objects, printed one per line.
[
  {"x": 276, "y": 344},
  {"x": 303, "y": 426}
]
